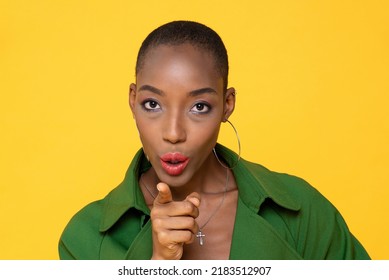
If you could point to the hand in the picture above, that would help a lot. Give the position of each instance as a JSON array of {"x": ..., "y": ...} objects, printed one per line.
[{"x": 173, "y": 223}]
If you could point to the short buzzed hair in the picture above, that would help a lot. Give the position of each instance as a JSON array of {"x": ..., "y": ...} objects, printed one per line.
[{"x": 196, "y": 34}]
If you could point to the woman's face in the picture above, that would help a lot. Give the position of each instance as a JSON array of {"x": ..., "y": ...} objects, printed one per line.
[{"x": 178, "y": 104}]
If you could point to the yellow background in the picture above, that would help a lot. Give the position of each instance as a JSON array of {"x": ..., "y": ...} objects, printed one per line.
[{"x": 312, "y": 82}]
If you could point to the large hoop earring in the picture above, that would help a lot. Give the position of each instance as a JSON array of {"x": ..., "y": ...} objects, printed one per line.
[{"x": 236, "y": 163}]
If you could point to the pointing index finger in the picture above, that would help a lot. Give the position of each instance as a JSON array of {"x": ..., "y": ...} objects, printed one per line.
[{"x": 164, "y": 194}]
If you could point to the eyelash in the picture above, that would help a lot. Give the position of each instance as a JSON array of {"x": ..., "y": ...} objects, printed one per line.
[
  {"x": 146, "y": 106},
  {"x": 205, "y": 105},
  {"x": 147, "y": 103}
]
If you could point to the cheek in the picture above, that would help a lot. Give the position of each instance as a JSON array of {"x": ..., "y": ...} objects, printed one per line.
[
  {"x": 146, "y": 130},
  {"x": 205, "y": 133}
]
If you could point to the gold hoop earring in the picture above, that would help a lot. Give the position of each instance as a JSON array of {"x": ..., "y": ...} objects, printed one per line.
[{"x": 237, "y": 137}]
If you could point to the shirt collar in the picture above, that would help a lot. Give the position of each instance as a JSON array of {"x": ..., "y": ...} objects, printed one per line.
[
  {"x": 256, "y": 184},
  {"x": 127, "y": 195}
]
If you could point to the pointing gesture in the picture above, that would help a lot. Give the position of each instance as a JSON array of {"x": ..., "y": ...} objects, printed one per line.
[{"x": 173, "y": 223}]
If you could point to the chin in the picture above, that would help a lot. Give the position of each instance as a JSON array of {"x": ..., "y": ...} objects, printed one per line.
[{"x": 174, "y": 181}]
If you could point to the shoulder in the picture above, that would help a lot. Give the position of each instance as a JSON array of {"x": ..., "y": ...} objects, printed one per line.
[
  {"x": 288, "y": 193},
  {"x": 304, "y": 217},
  {"x": 286, "y": 190},
  {"x": 81, "y": 237},
  {"x": 84, "y": 234},
  {"x": 278, "y": 185}
]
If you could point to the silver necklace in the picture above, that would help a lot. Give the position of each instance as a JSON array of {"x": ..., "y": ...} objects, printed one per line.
[{"x": 200, "y": 235}]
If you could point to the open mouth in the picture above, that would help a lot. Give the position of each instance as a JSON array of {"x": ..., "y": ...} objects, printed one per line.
[{"x": 174, "y": 163}]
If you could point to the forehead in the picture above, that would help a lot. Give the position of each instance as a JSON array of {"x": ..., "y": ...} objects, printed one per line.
[
  {"x": 183, "y": 51},
  {"x": 180, "y": 63}
]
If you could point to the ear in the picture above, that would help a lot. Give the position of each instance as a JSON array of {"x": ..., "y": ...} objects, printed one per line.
[
  {"x": 132, "y": 97},
  {"x": 229, "y": 103}
]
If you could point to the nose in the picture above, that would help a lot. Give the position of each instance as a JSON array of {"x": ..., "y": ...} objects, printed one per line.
[{"x": 174, "y": 129}]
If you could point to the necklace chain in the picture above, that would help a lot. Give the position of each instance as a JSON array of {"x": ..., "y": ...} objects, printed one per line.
[
  {"x": 147, "y": 188},
  {"x": 200, "y": 234}
]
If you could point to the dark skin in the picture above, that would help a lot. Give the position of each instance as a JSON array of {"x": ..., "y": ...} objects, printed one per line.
[{"x": 178, "y": 104}]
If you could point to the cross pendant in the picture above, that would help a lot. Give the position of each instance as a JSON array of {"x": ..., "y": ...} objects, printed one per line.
[{"x": 200, "y": 236}]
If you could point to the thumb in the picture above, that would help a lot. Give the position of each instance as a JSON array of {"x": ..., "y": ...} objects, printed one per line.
[{"x": 164, "y": 194}]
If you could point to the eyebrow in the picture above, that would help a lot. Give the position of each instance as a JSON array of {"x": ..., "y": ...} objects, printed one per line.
[
  {"x": 152, "y": 89},
  {"x": 202, "y": 91},
  {"x": 195, "y": 92}
]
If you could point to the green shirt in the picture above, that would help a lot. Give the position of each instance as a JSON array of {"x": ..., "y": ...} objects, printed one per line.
[{"x": 278, "y": 216}]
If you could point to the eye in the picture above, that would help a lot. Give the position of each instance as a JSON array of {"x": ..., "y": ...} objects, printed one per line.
[
  {"x": 201, "y": 108},
  {"x": 151, "y": 105}
]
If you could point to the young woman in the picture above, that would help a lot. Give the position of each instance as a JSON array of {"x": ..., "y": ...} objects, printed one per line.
[{"x": 185, "y": 196}]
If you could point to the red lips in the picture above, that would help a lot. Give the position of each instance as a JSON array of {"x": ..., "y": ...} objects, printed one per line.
[{"x": 174, "y": 163}]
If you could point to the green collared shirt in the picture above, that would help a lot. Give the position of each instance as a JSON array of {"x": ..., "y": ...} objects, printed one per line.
[{"x": 278, "y": 217}]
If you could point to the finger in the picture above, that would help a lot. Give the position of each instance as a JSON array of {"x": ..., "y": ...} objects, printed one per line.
[
  {"x": 177, "y": 237},
  {"x": 194, "y": 198},
  {"x": 164, "y": 194},
  {"x": 174, "y": 208},
  {"x": 176, "y": 223}
]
